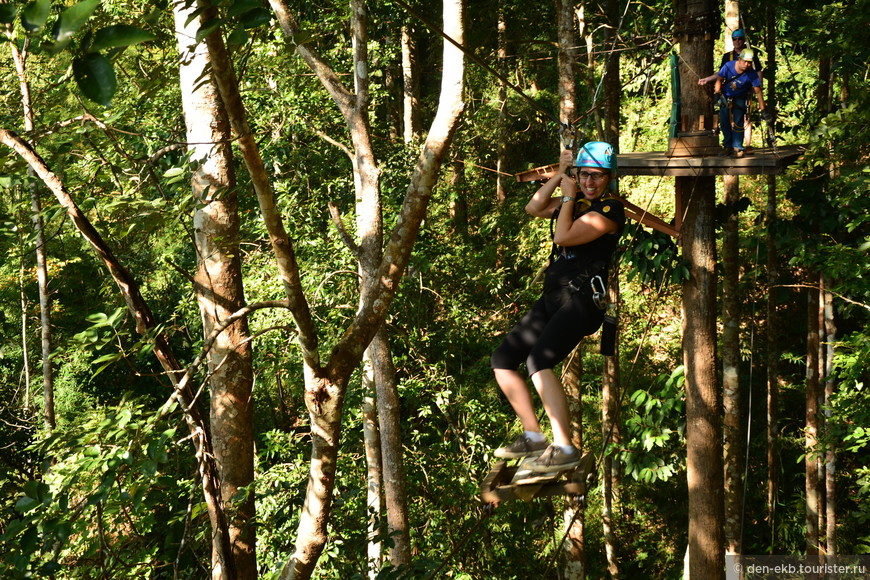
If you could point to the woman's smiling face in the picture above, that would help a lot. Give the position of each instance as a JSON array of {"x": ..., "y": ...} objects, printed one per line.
[{"x": 592, "y": 182}]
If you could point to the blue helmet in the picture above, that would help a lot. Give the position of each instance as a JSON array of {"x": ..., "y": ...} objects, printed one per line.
[
  {"x": 596, "y": 154},
  {"x": 738, "y": 33}
]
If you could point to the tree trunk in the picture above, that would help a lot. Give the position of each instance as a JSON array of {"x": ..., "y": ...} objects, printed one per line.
[
  {"x": 830, "y": 327},
  {"x": 389, "y": 422},
  {"x": 575, "y": 515},
  {"x": 731, "y": 430},
  {"x": 503, "y": 133},
  {"x": 610, "y": 383},
  {"x": 567, "y": 60},
  {"x": 374, "y": 467},
  {"x": 325, "y": 388},
  {"x": 25, "y": 352},
  {"x": 19, "y": 57},
  {"x": 44, "y": 310},
  {"x": 219, "y": 291},
  {"x": 410, "y": 84},
  {"x": 811, "y": 459},
  {"x": 612, "y": 83},
  {"x": 773, "y": 348},
  {"x": 732, "y": 448},
  {"x": 694, "y": 20}
]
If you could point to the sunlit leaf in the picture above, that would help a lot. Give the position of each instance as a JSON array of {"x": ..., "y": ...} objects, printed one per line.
[
  {"x": 119, "y": 35},
  {"x": 73, "y": 18}
]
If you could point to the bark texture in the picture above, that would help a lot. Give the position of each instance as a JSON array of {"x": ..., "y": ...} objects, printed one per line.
[
  {"x": 219, "y": 291},
  {"x": 695, "y": 23}
]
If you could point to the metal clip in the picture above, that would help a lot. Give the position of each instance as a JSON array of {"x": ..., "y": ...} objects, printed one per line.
[{"x": 599, "y": 292}]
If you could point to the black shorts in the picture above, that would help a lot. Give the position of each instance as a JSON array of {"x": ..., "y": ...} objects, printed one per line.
[{"x": 549, "y": 331}]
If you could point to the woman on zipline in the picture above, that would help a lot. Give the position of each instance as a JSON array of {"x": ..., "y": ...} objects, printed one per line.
[{"x": 585, "y": 225}]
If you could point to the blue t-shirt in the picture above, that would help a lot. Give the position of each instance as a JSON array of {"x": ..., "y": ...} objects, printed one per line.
[{"x": 737, "y": 85}]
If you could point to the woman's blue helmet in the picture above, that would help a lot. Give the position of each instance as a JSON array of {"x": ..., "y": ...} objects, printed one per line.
[{"x": 596, "y": 154}]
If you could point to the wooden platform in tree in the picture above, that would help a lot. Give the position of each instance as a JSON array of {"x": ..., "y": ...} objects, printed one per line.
[
  {"x": 766, "y": 161},
  {"x": 756, "y": 162}
]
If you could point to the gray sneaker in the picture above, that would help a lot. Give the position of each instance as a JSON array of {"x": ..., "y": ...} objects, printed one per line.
[
  {"x": 522, "y": 447},
  {"x": 554, "y": 459}
]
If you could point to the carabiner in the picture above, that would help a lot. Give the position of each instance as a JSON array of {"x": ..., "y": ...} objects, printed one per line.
[{"x": 599, "y": 294}]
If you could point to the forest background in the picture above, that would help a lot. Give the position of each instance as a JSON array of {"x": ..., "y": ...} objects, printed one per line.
[{"x": 111, "y": 422}]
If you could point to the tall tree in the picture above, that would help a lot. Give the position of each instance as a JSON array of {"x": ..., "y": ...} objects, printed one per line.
[
  {"x": 694, "y": 21},
  {"x": 773, "y": 318},
  {"x": 503, "y": 133},
  {"x": 731, "y": 439},
  {"x": 19, "y": 57},
  {"x": 575, "y": 515},
  {"x": 410, "y": 84},
  {"x": 811, "y": 427},
  {"x": 610, "y": 432},
  {"x": 219, "y": 290},
  {"x": 326, "y": 385}
]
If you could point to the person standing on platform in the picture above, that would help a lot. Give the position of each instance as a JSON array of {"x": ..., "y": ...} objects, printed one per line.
[
  {"x": 735, "y": 83},
  {"x": 738, "y": 41}
]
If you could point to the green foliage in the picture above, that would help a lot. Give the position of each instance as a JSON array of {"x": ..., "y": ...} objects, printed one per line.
[
  {"x": 106, "y": 503},
  {"x": 655, "y": 430}
]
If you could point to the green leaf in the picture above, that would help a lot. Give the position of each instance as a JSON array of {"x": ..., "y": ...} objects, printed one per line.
[
  {"x": 7, "y": 13},
  {"x": 35, "y": 14},
  {"x": 208, "y": 28},
  {"x": 73, "y": 18},
  {"x": 238, "y": 36},
  {"x": 119, "y": 35},
  {"x": 25, "y": 504},
  {"x": 242, "y": 6},
  {"x": 256, "y": 18},
  {"x": 95, "y": 77}
]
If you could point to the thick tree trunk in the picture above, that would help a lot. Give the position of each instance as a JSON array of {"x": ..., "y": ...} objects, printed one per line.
[
  {"x": 695, "y": 20},
  {"x": 811, "y": 459},
  {"x": 219, "y": 291}
]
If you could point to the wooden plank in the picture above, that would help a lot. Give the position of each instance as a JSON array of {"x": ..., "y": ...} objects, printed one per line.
[
  {"x": 497, "y": 486},
  {"x": 762, "y": 161}
]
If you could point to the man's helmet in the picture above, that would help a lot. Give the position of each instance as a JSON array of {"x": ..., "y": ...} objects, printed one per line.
[
  {"x": 738, "y": 34},
  {"x": 747, "y": 54},
  {"x": 596, "y": 154}
]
